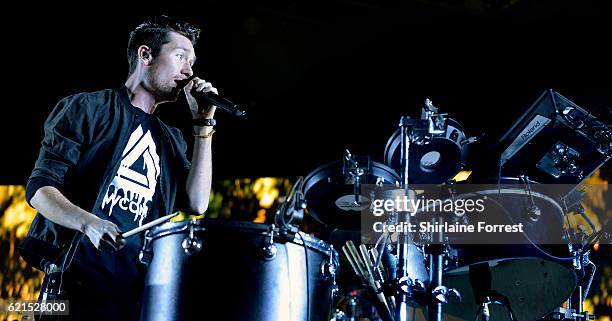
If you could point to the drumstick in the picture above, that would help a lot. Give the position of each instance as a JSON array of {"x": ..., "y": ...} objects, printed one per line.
[
  {"x": 353, "y": 262},
  {"x": 373, "y": 283},
  {"x": 357, "y": 258},
  {"x": 380, "y": 268},
  {"x": 148, "y": 225},
  {"x": 366, "y": 258},
  {"x": 381, "y": 274},
  {"x": 350, "y": 259}
]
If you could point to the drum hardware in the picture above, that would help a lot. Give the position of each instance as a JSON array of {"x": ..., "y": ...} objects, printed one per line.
[
  {"x": 485, "y": 313},
  {"x": 480, "y": 280},
  {"x": 532, "y": 212},
  {"x": 439, "y": 293},
  {"x": 442, "y": 293},
  {"x": 269, "y": 250},
  {"x": 436, "y": 122},
  {"x": 408, "y": 128},
  {"x": 328, "y": 268},
  {"x": 341, "y": 316},
  {"x": 574, "y": 309},
  {"x": 435, "y": 251},
  {"x": 352, "y": 170},
  {"x": 439, "y": 148},
  {"x": 353, "y": 307},
  {"x": 330, "y": 190},
  {"x": 291, "y": 212},
  {"x": 584, "y": 266},
  {"x": 145, "y": 254},
  {"x": 564, "y": 314},
  {"x": 192, "y": 244}
]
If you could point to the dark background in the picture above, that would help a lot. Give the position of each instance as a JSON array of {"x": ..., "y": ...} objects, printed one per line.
[{"x": 317, "y": 76}]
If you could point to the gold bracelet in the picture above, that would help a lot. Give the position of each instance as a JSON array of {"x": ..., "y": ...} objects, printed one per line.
[{"x": 209, "y": 135}]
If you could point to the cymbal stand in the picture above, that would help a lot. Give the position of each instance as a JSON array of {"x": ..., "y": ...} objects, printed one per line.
[
  {"x": 418, "y": 131},
  {"x": 575, "y": 304},
  {"x": 405, "y": 286},
  {"x": 574, "y": 310},
  {"x": 412, "y": 131}
]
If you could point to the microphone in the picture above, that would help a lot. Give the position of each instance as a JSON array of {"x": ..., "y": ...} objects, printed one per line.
[
  {"x": 222, "y": 103},
  {"x": 214, "y": 99}
]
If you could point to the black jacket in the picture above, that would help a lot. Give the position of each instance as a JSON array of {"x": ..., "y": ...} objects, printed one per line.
[{"x": 80, "y": 152}]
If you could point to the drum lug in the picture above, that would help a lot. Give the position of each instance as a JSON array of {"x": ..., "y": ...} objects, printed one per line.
[
  {"x": 146, "y": 255},
  {"x": 328, "y": 268},
  {"x": 192, "y": 244},
  {"x": 328, "y": 272},
  {"x": 269, "y": 250}
]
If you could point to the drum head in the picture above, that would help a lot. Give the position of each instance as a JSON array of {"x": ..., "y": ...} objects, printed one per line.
[
  {"x": 533, "y": 283},
  {"x": 432, "y": 163},
  {"x": 330, "y": 196},
  {"x": 235, "y": 228}
]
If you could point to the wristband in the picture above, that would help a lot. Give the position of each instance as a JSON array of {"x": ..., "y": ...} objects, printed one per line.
[{"x": 204, "y": 122}]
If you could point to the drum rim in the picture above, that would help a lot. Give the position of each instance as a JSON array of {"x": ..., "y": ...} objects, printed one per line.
[
  {"x": 170, "y": 228},
  {"x": 320, "y": 170},
  {"x": 396, "y": 134},
  {"x": 510, "y": 191},
  {"x": 393, "y": 145}
]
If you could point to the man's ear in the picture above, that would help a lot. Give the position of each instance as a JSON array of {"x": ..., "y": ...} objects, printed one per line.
[{"x": 144, "y": 54}]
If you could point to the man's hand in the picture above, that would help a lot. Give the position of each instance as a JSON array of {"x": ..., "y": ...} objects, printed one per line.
[
  {"x": 199, "y": 85},
  {"x": 54, "y": 206},
  {"x": 104, "y": 235}
]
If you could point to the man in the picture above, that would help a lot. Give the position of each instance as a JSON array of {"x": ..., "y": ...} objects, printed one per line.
[{"x": 108, "y": 165}]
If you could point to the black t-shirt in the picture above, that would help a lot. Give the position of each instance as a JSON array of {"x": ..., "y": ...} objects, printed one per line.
[{"x": 130, "y": 200}]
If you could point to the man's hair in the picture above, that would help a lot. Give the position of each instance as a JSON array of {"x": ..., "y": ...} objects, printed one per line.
[{"x": 154, "y": 32}]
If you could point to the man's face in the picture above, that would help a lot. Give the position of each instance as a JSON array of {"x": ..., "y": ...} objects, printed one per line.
[{"x": 173, "y": 63}]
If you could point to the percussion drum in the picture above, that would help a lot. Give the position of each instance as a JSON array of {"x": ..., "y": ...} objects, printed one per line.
[
  {"x": 532, "y": 278},
  {"x": 433, "y": 162},
  {"x": 235, "y": 271},
  {"x": 330, "y": 193}
]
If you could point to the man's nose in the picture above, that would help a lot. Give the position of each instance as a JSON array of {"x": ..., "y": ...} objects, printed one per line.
[{"x": 187, "y": 71}]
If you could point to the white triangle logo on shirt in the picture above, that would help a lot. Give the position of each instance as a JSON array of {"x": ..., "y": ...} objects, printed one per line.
[{"x": 132, "y": 188}]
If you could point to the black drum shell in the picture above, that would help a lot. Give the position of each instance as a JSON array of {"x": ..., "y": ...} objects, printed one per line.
[
  {"x": 535, "y": 278},
  {"x": 453, "y": 155},
  {"x": 327, "y": 183},
  {"x": 230, "y": 279}
]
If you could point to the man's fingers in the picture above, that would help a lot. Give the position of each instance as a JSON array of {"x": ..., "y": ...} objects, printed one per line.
[
  {"x": 204, "y": 86},
  {"x": 113, "y": 231},
  {"x": 106, "y": 246},
  {"x": 121, "y": 241},
  {"x": 111, "y": 242}
]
